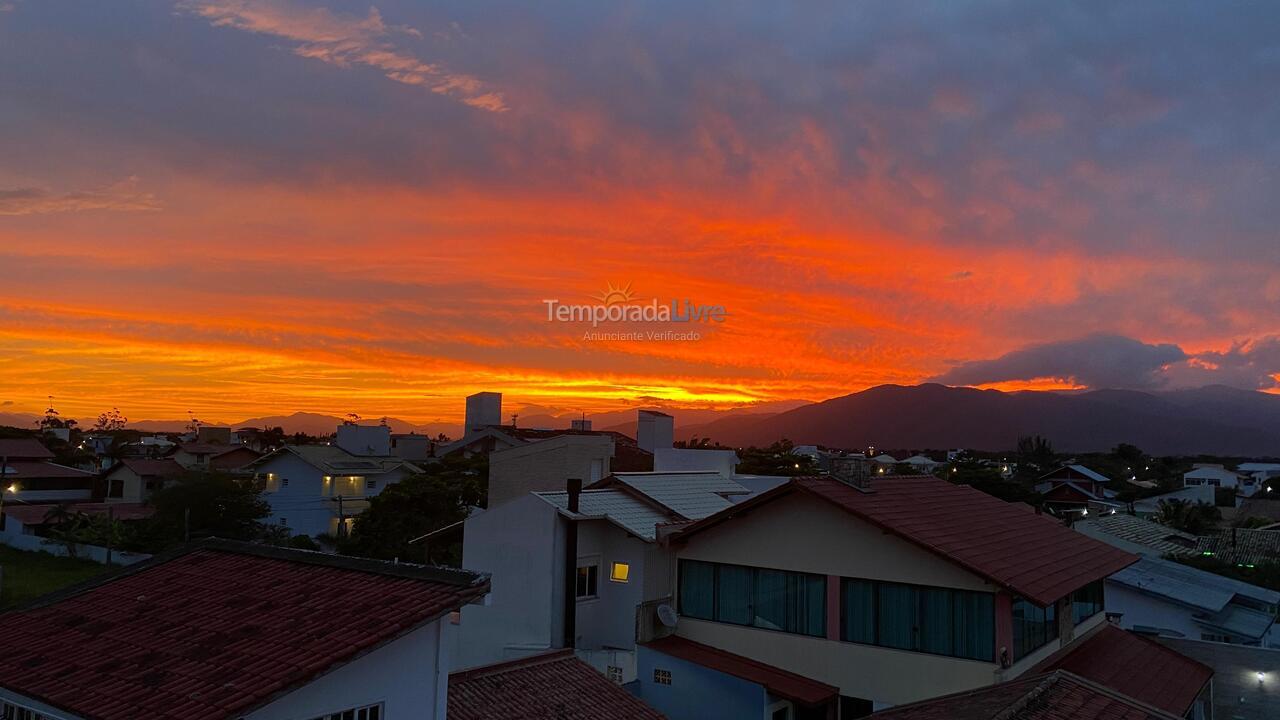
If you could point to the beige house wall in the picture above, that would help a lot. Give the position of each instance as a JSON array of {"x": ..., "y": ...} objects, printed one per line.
[{"x": 546, "y": 465}]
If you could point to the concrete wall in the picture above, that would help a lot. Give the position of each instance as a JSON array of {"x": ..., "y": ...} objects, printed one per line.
[
  {"x": 609, "y": 620},
  {"x": 483, "y": 408},
  {"x": 522, "y": 544},
  {"x": 134, "y": 487},
  {"x": 410, "y": 676},
  {"x": 20, "y": 537},
  {"x": 654, "y": 430},
  {"x": 722, "y": 462},
  {"x": 696, "y": 692},
  {"x": 364, "y": 439},
  {"x": 546, "y": 465}
]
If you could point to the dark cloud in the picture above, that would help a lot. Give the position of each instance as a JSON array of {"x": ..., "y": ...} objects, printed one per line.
[
  {"x": 1097, "y": 361},
  {"x": 1250, "y": 364}
]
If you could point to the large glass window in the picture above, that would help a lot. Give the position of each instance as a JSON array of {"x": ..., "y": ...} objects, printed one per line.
[
  {"x": 1086, "y": 602},
  {"x": 942, "y": 621},
  {"x": 1033, "y": 626},
  {"x": 771, "y": 599}
]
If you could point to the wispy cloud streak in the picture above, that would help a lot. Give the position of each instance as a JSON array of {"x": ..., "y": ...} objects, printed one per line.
[
  {"x": 346, "y": 40},
  {"x": 121, "y": 197}
]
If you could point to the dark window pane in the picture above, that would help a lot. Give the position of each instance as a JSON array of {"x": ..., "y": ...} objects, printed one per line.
[
  {"x": 936, "y": 621},
  {"x": 897, "y": 606},
  {"x": 733, "y": 594},
  {"x": 975, "y": 625},
  {"x": 858, "y": 614},
  {"x": 697, "y": 589}
]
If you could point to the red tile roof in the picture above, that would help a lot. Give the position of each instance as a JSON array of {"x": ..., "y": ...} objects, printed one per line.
[
  {"x": 779, "y": 682},
  {"x": 551, "y": 686},
  {"x": 1032, "y": 555},
  {"x": 1054, "y": 696},
  {"x": 29, "y": 469},
  {"x": 1135, "y": 666},
  {"x": 216, "y": 630},
  {"x": 164, "y": 467},
  {"x": 35, "y": 514},
  {"x": 26, "y": 448}
]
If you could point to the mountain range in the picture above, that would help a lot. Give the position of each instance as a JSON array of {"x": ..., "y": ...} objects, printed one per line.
[{"x": 1215, "y": 420}]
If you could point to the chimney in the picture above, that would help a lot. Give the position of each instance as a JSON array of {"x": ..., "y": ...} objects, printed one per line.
[
  {"x": 574, "y": 487},
  {"x": 852, "y": 472},
  {"x": 654, "y": 430},
  {"x": 583, "y": 424}
]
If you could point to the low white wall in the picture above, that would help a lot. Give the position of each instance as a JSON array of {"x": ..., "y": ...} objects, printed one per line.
[{"x": 95, "y": 553}]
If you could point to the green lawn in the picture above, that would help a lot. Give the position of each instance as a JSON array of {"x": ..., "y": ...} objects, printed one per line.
[{"x": 31, "y": 574}]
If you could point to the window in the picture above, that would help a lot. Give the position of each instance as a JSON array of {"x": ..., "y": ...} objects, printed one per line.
[
  {"x": 619, "y": 572},
  {"x": 9, "y": 711},
  {"x": 661, "y": 677},
  {"x": 941, "y": 621},
  {"x": 781, "y": 711},
  {"x": 770, "y": 599},
  {"x": 1213, "y": 637},
  {"x": 586, "y": 583},
  {"x": 1086, "y": 602},
  {"x": 117, "y": 489},
  {"x": 1033, "y": 626},
  {"x": 368, "y": 712},
  {"x": 614, "y": 673},
  {"x": 284, "y": 482}
]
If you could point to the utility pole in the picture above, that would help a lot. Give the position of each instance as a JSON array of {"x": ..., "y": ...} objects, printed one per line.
[
  {"x": 111, "y": 532},
  {"x": 342, "y": 520}
]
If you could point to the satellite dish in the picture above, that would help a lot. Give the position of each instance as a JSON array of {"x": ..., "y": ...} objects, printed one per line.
[{"x": 667, "y": 615}]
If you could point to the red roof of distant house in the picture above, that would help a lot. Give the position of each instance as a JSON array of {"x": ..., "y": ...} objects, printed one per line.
[
  {"x": 1054, "y": 696},
  {"x": 1009, "y": 544},
  {"x": 215, "y": 631},
  {"x": 31, "y": 469},
  {"x": 36, "y": 514},
  {"x": 198, "y": 448},
  {"x": 24, "y": 448},
  {"x": 778, "y": 681},
  {"x": 164, "y": 467},
  {"x": 1133, "y": 665},
  {"x": 554, "y": 686}
]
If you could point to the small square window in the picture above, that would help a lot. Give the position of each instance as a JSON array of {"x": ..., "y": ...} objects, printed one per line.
[
  {"x": 614, "y": 673},
  {"x": 661, "y": 677},
  {"x": 620, "y": 572}
]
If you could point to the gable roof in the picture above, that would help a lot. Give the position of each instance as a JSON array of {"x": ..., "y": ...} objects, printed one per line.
[
  {"x": 24, "y": 448},
  {"x": 1080, "y": 470},
  {"x": 551, "y": 686},
  {"x": 164, "y": 467},
  {"x": 158, "y": 640},
  {"x": 1133, "y": 529},
  {"x": 1059, "y": 695},
  {"x": 1135, "y": 666},
  {"x": 1188, "y": 585},
  {"x": 1009, "y": 544},
  {"x": 778, "y": 681},
  {"x": 636, "y": 516},
  {"x": 1242, "y": 546},
  {"x": 20, "y": 470},
  {"x": 692, "y": 495},
  {"x": 333, "y": 460}
]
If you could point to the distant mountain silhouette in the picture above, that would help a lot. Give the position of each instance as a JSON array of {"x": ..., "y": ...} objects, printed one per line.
[{"x": 1214, "y": 420}]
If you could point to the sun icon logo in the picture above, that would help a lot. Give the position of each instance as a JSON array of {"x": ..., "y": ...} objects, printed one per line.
[{"x": 615, "y": 295}]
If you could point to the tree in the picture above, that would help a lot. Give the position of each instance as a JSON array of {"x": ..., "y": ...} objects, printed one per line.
[
  {"x": 220, "y": 505},
  {"x": 776, "y": 459},
  {"x": 1035, "y": 450},
  {"x": 1131, "y": 455},
  {"x": 1186, "y": 516},
  {"x": 411, "y": 508},
  {"x": 111, "y": 421}
]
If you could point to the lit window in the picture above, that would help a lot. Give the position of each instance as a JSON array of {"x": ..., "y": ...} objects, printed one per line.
[{"x": 620, "y": 572}]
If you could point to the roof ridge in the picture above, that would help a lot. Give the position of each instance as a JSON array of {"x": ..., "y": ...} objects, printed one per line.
[{"x": 542, "y": 658}]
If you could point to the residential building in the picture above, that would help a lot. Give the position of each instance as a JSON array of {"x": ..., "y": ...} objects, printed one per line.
[
  {"x": 223, "y": 630},
  {"x": 1149, "y": 507},
  {"x": 1220, "y": 477},
  {"x": 654, "y": 430},
  {"x": 319, "y": 489},
  {"x": 1071, "y": 488},
  {"x": 686, "y": 679},
  {"x": 411, "y": 446},
  {"x": 133, "y": 480},
  {"x": 1136, "y": 535},
  {"x": 29, "y": 475},
  {"x": 669, "y": 459},
  {"x": 922, "y": 464},
  {"x": 573, "y": 567},
  {"x": 544, "y": 464},
  {"x": 1163, "y": 597},
  {"x": 214, "y": 456},
  {"x": 948, "y": 589},
  {"x": 549, "y": 685}
]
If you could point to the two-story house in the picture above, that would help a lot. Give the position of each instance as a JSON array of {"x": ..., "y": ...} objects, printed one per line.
[
  {"x": 1071, "y": 488},
  {"x": 891, "y": 590},
  {"x": 319, "y": 489}
]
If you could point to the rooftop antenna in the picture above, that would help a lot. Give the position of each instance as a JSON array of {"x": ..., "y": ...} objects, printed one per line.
[{"x": 513, "y": 418}]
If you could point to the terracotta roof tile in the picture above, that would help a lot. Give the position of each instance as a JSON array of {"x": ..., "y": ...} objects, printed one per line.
[
  {"x": 551, "y": 686},
  {"x": 1135, "y": 666},
  {"x": 215, "y": 631},
  {"x": 25, "y": 448}
]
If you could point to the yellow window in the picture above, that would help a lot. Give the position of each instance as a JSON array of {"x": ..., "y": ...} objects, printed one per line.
[{"x": 620, "y": 572}]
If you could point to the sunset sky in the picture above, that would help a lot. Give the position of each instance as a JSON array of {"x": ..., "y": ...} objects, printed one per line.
[{"x": 249, "y": 207}]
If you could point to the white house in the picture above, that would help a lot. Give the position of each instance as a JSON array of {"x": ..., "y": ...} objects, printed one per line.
[
  {"x": 1163, "y": 597},
  {"x": 1220, "y": 477},
  {"x": 313, "y": 636},
  {"x": 318, "y": 489}
]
